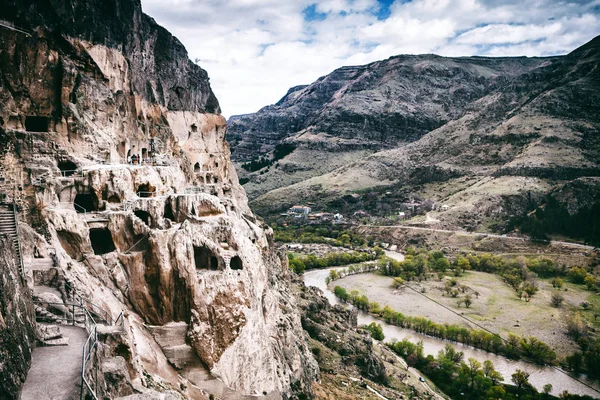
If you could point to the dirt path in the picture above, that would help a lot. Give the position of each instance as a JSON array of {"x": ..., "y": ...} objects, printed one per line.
[
  {"x": 55, "y": 372},
  {"x": 476, "y": 234}
]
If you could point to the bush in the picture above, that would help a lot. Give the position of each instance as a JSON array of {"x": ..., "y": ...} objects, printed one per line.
[
  {"x": 375, "y": 330},
  {"x": 577, "y": 275},
  {"x": 557, "y": 299},
  {"x": 557, "y": 283}
]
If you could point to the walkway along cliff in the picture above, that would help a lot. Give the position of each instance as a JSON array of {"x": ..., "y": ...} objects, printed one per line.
[{"x": 113, "y": 152}]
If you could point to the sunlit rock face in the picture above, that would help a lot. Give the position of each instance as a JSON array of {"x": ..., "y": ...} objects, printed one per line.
[{"x": 168, "y": 238}]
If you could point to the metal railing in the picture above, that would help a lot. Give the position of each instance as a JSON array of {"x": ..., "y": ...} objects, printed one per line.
[
  {"x": 10, "y": 25},
  {"x": 145, "y": 194},
  {"x": 88, "y": 386},
  {"x": 71, "y": 172}
]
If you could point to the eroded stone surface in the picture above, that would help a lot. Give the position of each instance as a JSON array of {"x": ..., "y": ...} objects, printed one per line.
[{"x": 153, "y": 240}]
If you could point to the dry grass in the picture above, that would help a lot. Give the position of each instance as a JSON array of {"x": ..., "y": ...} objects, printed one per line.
[{"x": 497, "y": 308}]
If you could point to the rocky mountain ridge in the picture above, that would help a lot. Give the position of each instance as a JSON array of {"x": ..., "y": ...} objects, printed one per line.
[{"x": 530, "y": 132}]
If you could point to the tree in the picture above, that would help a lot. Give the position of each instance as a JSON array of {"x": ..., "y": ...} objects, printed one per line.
[
  {"x": 557, "y": 299},
  {"x": 537, "y": 350},
  {"x": 297, "y": 265},
  {"x": 462, "y": 263},
  {"x": 490, "y": 372},
  {"x": 547, "y": 389},
  {"x": 442, "y": 264},
  {"x": 374, "y": 307},
  {"x": 375, "y": 330},
  {"x": 333, "y": 274},
  {"x": 577, "y": 274},
  {"x": 398, "y": 282},
  {"x": 520, "y": 379},
  {"x": 575, "y": 361},
  {"x": 472, "y": 368},
  {"x": 468, "y": 301},
  {"x": 530, "y": 287},
  {"x": 590, "y": 281},
  {"x": 557, "y": 283}
]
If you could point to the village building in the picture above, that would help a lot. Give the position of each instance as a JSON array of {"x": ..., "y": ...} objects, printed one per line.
[{"x": 300, "y": 210}]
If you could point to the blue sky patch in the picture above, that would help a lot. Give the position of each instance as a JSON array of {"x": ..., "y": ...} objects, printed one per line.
[
  {"x": 311, "y": 14},
  {"x": 384, "y": 9}
]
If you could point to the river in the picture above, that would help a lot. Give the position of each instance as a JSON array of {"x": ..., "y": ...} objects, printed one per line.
[{"x": 539, "y": 375}]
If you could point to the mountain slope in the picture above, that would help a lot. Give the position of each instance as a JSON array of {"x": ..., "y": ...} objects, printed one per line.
[
  {"x": 532, "y": 134},
  {"x": 355, "y": 111}
]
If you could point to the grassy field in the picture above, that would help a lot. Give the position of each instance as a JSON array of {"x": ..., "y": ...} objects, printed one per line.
[{"x": 495, "y": 306}]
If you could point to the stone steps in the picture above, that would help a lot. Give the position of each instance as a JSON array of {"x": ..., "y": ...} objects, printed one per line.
[
  {"x": 51, "y": 335},
  {"x": 172, "y": 340},
  {"x": 8, "y": 225}
]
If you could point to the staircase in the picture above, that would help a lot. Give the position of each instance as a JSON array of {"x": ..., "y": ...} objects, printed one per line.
[{"x": 9, "y": 225}]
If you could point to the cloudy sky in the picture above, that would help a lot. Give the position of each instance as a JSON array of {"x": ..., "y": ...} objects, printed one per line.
[{"x": 254, "y": 50}]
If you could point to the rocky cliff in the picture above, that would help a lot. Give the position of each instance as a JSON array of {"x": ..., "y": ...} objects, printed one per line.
[
  {"x": 114, "y": 151},
  {"x": 17, "y": 322},
  {"x": 512, "y": 135}
]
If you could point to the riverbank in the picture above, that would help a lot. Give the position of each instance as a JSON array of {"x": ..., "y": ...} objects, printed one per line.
[
  {"x": 496, "y": 307},
  {"x": 539, "y": 375}
]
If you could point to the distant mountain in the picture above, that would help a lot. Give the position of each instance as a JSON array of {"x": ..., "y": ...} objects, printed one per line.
[{"x": 489, "y": 136}]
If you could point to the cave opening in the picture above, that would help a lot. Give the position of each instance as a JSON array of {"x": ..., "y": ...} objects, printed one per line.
[
  {"x": 85, "y": 202},
  {"x": 215, "y": 180},
  {"x": 236, "y": 263},
  {"x": 144, "y": 153},
  {"x": 143, "y": 215},
  {"x": 102, "y": 241},
  {"x": 67, "y": 168},
  {"x": 36, "y": 123},
  {"x": 168, "y": 212},
  {"x": 113, "y": 199},
  {"x": 145, "y": 190},
  {"x": 197, "y": 167},
  {"x": 205, "y": 258}
]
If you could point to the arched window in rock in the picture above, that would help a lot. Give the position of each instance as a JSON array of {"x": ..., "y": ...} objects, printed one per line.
[
  {"x": 145, "y": 190},
  {"x": 205, "y": 259},
  {"x": 114, "y": 199},
  {"x": 85, "y": 202},
  {"x": 236, "y": 263},
  {"x": 197, "y": 167},
  {"x": 67, "y": 168},
  {"x": 144, "y": 216}
]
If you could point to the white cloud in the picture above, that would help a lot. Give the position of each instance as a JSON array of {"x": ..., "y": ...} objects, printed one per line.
[{"x": 254, "y": 50}]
